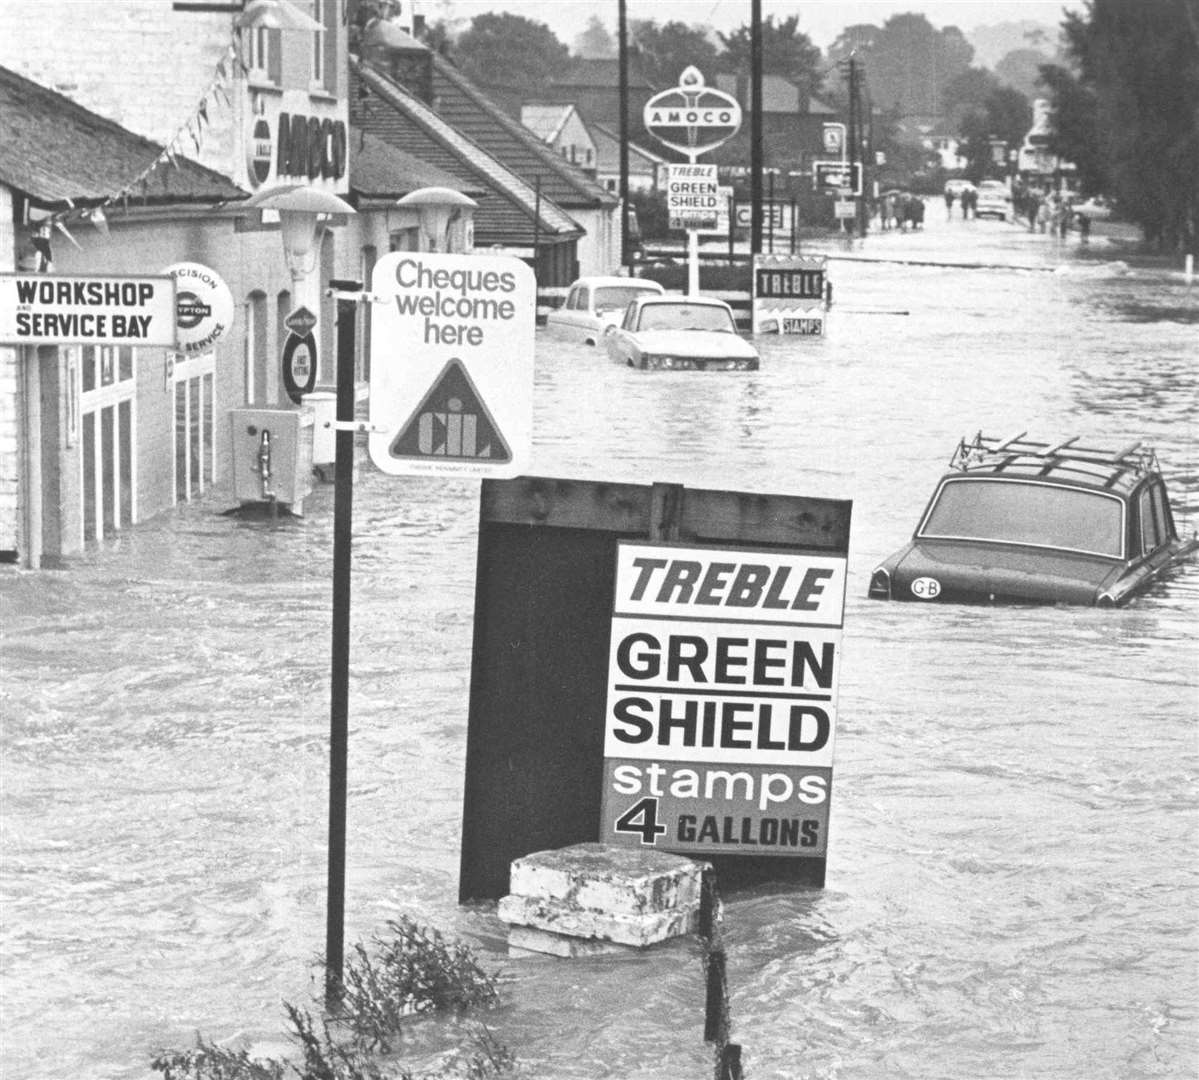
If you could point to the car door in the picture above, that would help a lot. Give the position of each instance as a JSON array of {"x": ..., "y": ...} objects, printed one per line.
[{"x": 567, "y": 318}]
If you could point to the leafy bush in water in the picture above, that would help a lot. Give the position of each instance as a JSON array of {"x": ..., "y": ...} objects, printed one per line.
[{"x": 416, "y": 970}]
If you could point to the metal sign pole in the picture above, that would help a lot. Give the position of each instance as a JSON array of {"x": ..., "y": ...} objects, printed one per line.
[
  {"x": 692, "y": 252},
  {"x": 343, "y": 494}
]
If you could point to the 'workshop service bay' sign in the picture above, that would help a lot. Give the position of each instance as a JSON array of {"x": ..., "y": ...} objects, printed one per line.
[{"x": 722, "y": 695}]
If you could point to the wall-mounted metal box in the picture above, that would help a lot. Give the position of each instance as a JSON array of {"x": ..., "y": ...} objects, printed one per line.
[{"x": 272, "y": 455}]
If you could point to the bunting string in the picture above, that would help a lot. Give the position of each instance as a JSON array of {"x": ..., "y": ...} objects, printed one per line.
[{"x": 189, "y": 132}]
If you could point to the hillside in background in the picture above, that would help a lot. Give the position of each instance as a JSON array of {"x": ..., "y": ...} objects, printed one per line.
[{"x": 993, "y": 43}]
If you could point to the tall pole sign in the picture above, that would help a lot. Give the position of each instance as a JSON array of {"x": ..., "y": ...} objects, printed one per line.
[{"x": 692, "y": 118}]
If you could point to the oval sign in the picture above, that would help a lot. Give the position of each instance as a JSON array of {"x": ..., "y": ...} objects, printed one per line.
[
  {"x": 926, "y": 588},
  {"x": 203, "y": 307},
  {"x": 260, "y": 152},
  {"x": 691, "y": 117}
]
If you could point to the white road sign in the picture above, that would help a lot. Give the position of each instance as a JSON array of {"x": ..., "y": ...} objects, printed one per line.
[{"x": 452, "y": 364}]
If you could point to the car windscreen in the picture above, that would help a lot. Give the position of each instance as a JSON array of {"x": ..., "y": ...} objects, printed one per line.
[
  {"x": 617, "y": 297},
  {"x": 684, "y": 317},
  {"x": 1016, "y": 512}
]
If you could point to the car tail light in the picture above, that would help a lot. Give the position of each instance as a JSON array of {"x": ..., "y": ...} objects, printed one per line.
[{"x": 880, "y": 584}]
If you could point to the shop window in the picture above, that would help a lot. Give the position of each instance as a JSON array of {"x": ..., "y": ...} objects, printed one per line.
[
  {"x": 256, "y": 348},
  {"x": 108, "y": 486},
  {"x": 195, "y": 411},
  {"x": 324, "y": 47}
]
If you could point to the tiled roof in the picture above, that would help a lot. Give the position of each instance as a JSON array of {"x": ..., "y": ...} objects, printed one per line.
[
  {"x": 545, "y": 121},
  {"x": 601, "y": 72},
  {"x": 381, "y": 171},
  {"x": 506, "y": 212},
  {"x": 608, "y": 145},
  {"x": 468, "y": 109},
  {"x": 53, "y": 151}
]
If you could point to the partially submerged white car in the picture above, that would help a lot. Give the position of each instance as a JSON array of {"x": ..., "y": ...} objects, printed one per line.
[
  {"x": 595, "y": 303},
  {"x": 680, "y": 333}
]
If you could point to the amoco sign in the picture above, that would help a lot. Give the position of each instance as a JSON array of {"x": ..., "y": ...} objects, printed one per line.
[{"x": 691, "y": 117}]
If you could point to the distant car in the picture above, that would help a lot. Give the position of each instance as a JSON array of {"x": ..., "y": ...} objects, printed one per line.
[
  {"x": 595, "y": 303},
  {"x": 1096, "y": 208},
  {"x": 1026, "y": 522},
  {"x": 994, "y": 199},
  {"x": 680, "y": 333},
  {"x": 956, "y": 186}
]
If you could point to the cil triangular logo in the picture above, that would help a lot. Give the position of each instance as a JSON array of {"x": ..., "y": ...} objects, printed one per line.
[{"x": 451, "y": 422}]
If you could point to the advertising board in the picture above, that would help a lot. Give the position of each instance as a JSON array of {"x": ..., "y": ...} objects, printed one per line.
[
  {"x": 692, "y": 196},
  {"x": 832, "y": 176},
  {"x": 789, "y": 294},
  {"x": 452, "y": 364},
  {"x": 722, "y": 698}
]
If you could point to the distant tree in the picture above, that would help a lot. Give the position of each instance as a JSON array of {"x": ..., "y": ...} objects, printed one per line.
[
  {"x": 664, "y": 51},
  {"x": 510, "y": 50},
  {"x": 907, "y": 62},
  {"x": 1021, "y": 70},
  {"x": 1077, "y": 136},
  {"x": 1139, "y": 62},
  {"x": 595, "y": 42},
  {"x": 1004, "y": 115},
  {"x": 786, "y": 50}
]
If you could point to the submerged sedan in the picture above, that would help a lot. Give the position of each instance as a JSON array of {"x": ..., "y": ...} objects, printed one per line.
[
  {"x": 680, "y": 333},
  {"x": 1029, "y": 522},
  {"x": 594, "y": 303}
]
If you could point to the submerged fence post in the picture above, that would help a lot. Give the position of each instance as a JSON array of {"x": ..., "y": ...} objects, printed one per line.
[{"x": 716, "y": 1004}]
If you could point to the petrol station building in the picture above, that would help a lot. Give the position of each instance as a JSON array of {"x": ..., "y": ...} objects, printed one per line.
[{"x": 128, "y": 168}]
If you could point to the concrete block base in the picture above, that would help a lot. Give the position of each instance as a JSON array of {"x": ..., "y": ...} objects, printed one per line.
[{"x": 525, "y": 940}]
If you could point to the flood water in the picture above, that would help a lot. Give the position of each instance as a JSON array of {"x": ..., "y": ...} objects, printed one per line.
[{"x": 1011, "y": 872}]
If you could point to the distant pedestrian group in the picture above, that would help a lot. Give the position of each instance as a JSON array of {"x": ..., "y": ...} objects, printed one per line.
[{"x": 901, "y": 210}]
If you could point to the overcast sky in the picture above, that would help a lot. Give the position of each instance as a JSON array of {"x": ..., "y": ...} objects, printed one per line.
[{"x": 821, "y": 20}]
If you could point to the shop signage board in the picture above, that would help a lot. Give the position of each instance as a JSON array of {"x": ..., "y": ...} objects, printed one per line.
[
  {"x": 53, "y": 309},
  {"x": 722, "y": 700},
  {"x": 452, "y": 364},
  {"x": 693, "y": 196},
  {"x": 789, "y": 294},
  {"x": 834, "y": 176}
]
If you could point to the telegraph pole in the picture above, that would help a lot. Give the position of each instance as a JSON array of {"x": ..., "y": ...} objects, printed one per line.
[
  {"x": 755, "y": 127},
  {"x": 622, "y": 36},
  {"x": 853, "y": 138}
]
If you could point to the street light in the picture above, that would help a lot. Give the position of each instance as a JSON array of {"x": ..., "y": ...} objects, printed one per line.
[
  {"x": 303, "y": 213},
  {"x": 438, "y": 207}
]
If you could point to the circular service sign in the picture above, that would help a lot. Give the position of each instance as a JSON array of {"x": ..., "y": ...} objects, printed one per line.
[
  {"x": 203, "y": 307},
  {"x": 692, "y": 117}
]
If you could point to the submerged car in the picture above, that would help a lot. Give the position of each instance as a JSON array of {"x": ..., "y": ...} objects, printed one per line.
[
  {"x": 680, "y": 333},
  {"x": 994, "y": 199},
  {"x": 1029, "y": 522},
  {"x": 594, "y": 303}
]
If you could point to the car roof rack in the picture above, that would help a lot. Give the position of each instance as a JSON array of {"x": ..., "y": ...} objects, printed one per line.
[{"x": 1018, "y": 453}]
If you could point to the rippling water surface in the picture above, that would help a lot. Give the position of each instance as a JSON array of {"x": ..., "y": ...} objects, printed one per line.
[{"x": 1011, "y": 866}]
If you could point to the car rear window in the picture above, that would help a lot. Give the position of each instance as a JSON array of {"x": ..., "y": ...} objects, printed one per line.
[
  {"x": 614, "y": 297},
  {"x": 685, "y": 317},
  {"x": 1015, "y": 512}
]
